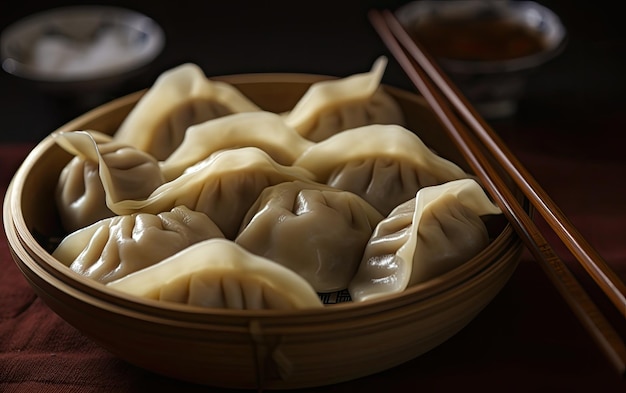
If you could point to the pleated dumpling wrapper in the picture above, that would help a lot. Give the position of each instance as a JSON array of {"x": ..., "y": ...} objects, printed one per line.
[
  {"x": 384, "y": 164},
  {"x": 117, "y": 246},
  {"x": 429, "y": 235},
  {"x": 331, "y": 106},
  {"x": 317, "y": 231},
  {"x": 265, "y": 130},
  {"x": 223, "y": 186},
  {"x": 218, "y": 273},
  {"x": 80, "y": 195},
  {"x": 179, "y": 98}
]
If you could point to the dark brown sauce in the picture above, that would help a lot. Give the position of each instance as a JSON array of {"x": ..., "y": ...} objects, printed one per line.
[{"x": 477, "y": 39}]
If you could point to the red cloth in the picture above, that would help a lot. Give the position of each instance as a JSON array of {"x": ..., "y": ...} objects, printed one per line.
[{"x": 525, "y": 340}]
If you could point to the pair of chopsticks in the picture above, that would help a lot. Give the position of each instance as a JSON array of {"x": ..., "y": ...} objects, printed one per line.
[{"x": 468, "y": 137}]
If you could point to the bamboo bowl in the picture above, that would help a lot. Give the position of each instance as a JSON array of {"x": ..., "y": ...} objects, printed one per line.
[{"x": 253, "y": 349}]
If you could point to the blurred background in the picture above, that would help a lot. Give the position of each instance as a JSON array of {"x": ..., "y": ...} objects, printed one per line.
[{"x": 574, "y": 91}]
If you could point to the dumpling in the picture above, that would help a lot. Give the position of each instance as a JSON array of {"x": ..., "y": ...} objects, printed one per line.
[
  {"x": 438, "y": 230},
  {"x": 179, "y": 98},
  {"x": 265, "y": 130},
  {"x": 117, "y": 246},
  {"x": 331, "y": 106},
  {"x": 80, "y": 195},
  {"x": 218, "y": 273},
  {"x": 223, "y": 186},
  {"x": 315, "y": 230},
  {"x": 384, "y": 164}
]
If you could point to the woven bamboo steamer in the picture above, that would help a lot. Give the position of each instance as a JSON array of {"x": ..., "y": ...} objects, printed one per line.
[{"x": 250, "y": 349}]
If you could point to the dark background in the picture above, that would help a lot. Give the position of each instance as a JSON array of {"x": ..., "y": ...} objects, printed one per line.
[{"x": 569, "y": 94}]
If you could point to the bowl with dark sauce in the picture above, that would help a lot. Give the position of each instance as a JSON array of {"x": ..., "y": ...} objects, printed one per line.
[{"x": 488, "y": 48}]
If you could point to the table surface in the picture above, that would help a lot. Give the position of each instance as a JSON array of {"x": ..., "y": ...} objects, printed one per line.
[{"x": 569, "y": 132}]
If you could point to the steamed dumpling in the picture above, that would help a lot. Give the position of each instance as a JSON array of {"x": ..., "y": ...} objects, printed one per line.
[
  {"x": 80, "y": 194},
  {"x": 265, "y": 130},
  {"x": 114, "y": 247},
  {"x": 384, "y": 164},
  {"x": 317, "y": 231},
  {"x": 179, "y": 98},
  {"x": 438, "y": 230},
  {"x": 218, "y": 273},
  {"x": 223, "y": 186},
  {"x": 331, "y": 106}
]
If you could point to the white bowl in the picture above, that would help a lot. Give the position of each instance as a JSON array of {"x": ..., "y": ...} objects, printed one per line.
[{"x": 72, "y": 47}]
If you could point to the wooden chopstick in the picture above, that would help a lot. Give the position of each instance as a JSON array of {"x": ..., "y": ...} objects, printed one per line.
[
  {"x": 399, "y": 43},
  {"x": 594, "y": 264}
]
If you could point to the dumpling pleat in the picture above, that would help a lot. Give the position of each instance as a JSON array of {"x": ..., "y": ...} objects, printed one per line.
[{"x": 218, "y": 273}]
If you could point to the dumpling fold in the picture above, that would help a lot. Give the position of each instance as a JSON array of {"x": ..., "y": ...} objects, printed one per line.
[
  {"x": 265, "y": 130},
  {"x": 385, "y": 164},
  {"x": 429, "y": 235},
  {"x": 114, "y": 247},
  {"x": 223, "y": 186},
  {"x": 179, "y": 98},
  {"x": 331, "y": 106},
  {"x": 218, "y": 273},
  {"x": 128, "y": 173}
]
